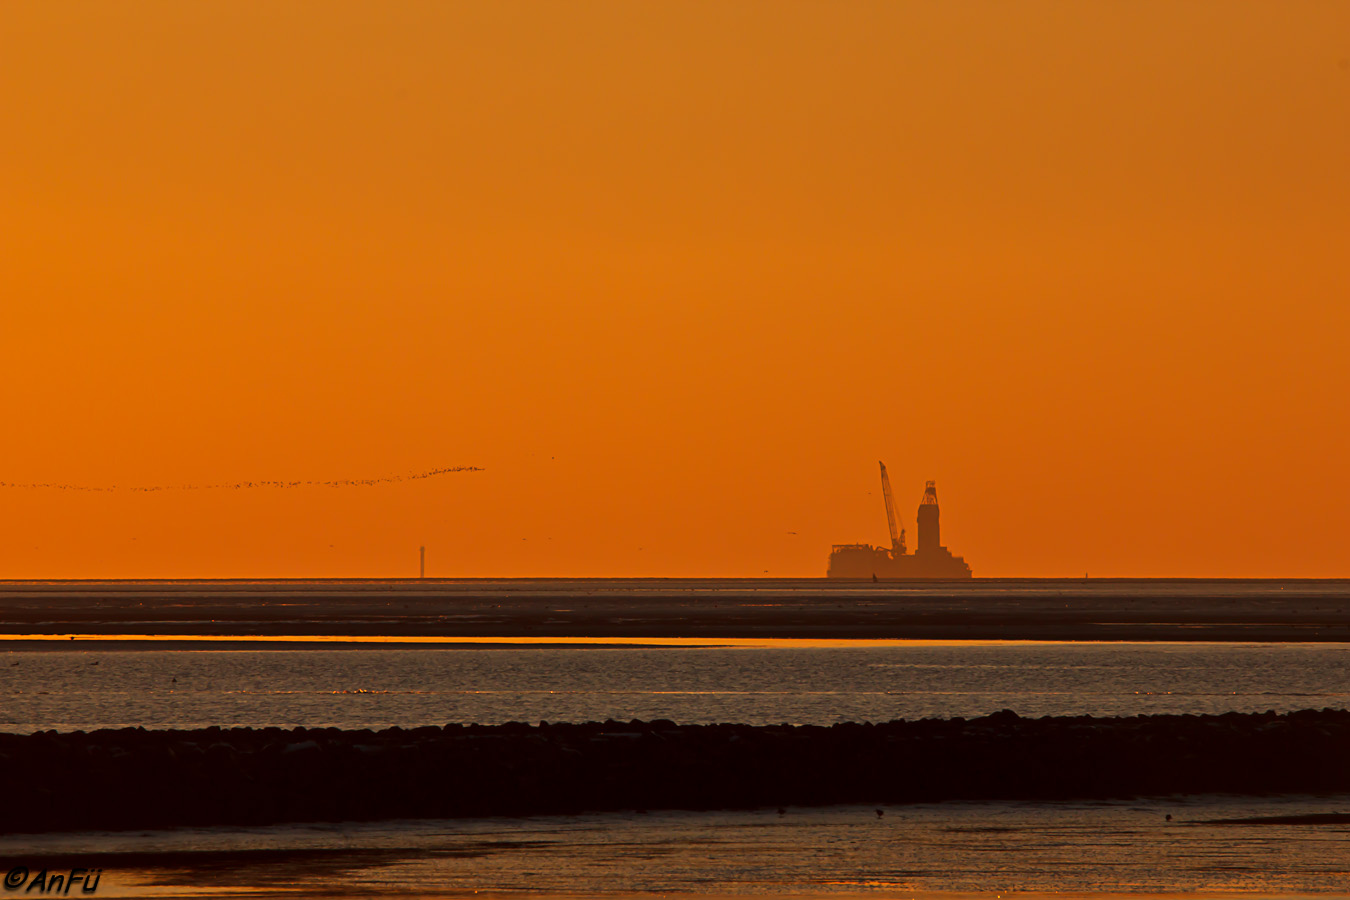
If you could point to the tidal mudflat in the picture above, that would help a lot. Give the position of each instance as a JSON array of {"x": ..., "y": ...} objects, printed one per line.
[{"x": 984, "y": 609}]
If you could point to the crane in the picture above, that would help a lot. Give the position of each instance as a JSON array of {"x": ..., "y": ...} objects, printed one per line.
[{"x": 897, "y": 534}]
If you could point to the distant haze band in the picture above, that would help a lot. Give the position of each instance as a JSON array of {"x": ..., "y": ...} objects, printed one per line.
[{"x": 246, "y": 485}]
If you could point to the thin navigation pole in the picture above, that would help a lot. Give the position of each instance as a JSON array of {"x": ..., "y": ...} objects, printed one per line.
[{"x": 422, "y": 569}]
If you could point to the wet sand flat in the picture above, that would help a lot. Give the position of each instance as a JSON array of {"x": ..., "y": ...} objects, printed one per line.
[
  {"x": 944, "y": 852},
  {"x": 1088, "y": 610}
]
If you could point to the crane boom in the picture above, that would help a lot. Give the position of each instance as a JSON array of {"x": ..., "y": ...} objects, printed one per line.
[{"x": 897, "y": 533}]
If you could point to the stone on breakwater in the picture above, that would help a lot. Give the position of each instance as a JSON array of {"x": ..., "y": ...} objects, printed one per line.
[{"x": 133, "y": 778}]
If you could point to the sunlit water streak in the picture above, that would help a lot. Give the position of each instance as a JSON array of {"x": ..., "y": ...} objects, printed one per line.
[
  {"x": 758, "y": 683},
  {"x": 18, "y": 641}
]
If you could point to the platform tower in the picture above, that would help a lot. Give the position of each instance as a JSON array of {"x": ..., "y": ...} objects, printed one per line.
[{"x": 930, "y": 534}]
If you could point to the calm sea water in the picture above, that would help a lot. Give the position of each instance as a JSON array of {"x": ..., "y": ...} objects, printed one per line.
[
  {"x": 779, "y": 682},
  {"x": 945, "y": 850}
]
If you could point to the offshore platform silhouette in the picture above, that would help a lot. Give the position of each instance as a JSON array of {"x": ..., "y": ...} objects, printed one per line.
[{"x": 930, "y": 561}]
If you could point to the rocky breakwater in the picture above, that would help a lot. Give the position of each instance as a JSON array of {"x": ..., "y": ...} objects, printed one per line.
[{"x": 133, "y": 778}]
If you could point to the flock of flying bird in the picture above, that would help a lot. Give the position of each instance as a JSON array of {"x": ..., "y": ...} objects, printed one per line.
[{"x": 245, "y": 485}]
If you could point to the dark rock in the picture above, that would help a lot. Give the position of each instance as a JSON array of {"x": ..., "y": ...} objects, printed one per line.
[{"x": 133, "y": 778}]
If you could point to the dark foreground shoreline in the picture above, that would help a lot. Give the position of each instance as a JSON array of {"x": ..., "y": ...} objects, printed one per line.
[{"x": 134, "y": 778}]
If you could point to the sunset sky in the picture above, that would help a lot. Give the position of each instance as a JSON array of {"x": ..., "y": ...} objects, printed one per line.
[{"x": 676, "y": 275}]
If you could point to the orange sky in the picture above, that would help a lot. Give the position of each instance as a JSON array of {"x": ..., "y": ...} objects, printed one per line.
[{"x": 676, "y": 275}]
